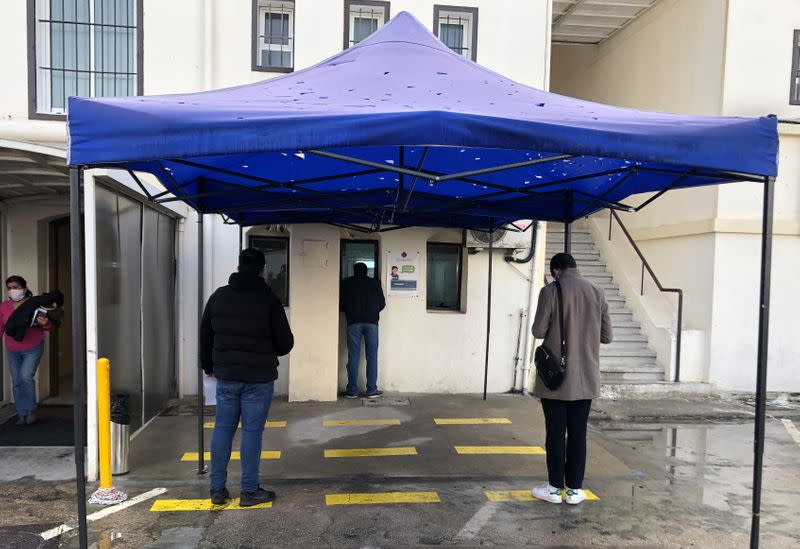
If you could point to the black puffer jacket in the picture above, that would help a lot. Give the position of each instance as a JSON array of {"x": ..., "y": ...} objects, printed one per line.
[{"x": 243, "y": 332}]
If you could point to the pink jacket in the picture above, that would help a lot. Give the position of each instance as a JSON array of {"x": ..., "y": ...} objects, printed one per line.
[{"x": 34, "y": 336}]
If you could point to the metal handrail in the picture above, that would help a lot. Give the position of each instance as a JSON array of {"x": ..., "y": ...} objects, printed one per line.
[{"x": 645, "y": 265}]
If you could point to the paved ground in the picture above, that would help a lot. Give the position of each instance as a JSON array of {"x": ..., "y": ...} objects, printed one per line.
[{"x": 658, "y": 483}]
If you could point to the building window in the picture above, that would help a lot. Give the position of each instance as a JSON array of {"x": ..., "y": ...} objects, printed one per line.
[
  {"x": 362, "y": 18},
  {"x": 276, "y": 271},
  {"x": 86, "y": 48},
  {"x": 359, "y": 251},
  {"x": 458, "y": 29},
  {"x": 794, "y": 90},
  {"x": 273, "y": 35},
  {"x": 444, "y": 277}
]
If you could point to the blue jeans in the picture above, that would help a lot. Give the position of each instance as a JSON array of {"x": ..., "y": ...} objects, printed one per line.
[
  {"x": 23, "y": 366},
  {"x": 249, "y": 402},
  {"x": 354, "y": 334}
]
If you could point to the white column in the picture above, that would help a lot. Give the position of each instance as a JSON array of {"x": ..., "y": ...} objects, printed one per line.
[{"x": 90, "y": 266}]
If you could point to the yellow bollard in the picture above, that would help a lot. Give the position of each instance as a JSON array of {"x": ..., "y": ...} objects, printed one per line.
[
  {"x": 104, "y": 420},
  {"x": 105, "y": 494}
]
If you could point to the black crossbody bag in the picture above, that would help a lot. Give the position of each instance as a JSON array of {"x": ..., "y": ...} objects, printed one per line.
[{"x": 550, "y": 369}]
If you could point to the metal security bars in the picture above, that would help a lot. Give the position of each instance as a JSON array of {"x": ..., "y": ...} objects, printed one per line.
[
  {"x": 273, "y": 35},
  {"x": 794, "y": 86},
  {"x": 362, "y": 18},
  {"x": 87, "y": 48},
  {"x": 457, "y": 28}
]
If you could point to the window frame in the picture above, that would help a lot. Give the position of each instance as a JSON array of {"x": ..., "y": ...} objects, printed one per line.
[
  {"x": 385, "y": 4},
  {"x": 374, "y": 242},
  {"x": 33, "y": 79},
  {"x": 250, "y": 240},
  {"x": 460, "y": 305},
  {"x": 794, "y": 98},
  {"x": 438, "y": 8},
  {"x": 254, "y": 66}
]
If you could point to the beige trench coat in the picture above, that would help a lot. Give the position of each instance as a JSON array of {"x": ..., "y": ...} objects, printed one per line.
[{"x": 587, "y": 325}]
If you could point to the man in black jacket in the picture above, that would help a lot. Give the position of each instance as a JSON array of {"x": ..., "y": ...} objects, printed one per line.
[
  {"x": 243, "y": 332},
  {"x": 362, "y": 301}
]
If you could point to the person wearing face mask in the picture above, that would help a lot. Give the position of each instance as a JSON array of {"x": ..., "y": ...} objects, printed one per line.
[{"x": 23, "y": 355}]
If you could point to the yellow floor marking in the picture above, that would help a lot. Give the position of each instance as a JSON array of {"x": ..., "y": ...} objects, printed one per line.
[
  {"x": 472, "y": 421},
  {"x": 483, "y": 450},
  {"x": 162, "y": 505},
  {"x": 386, "y": 497},
  {"x": 371, "y": 452},
  {"x": 525, "y": 495},
  {"x": 269, "y": 424},
  {"x": 341, "y": 422},
  {"x": 268, "y": 454}
]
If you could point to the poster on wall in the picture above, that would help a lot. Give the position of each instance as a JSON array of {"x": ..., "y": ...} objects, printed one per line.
[{"x": 402, "y": 274}]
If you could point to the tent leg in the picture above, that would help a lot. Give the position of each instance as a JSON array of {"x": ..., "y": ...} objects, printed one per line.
[
  {"x": 241, "y": 237},
  {"x": 567, "y": 237},
  {"x": 763, "y": 344},
  {"x": 78, "y": 347},
  {"x": 488, "y": 312},
  {"x": 201, "y": 459}
]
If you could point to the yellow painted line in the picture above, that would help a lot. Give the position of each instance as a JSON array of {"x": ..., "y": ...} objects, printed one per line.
[
  {"x": 342, "y": 422},
  {"x": 193, "y": 456},
  {"x": 487, "y": 450},
  {"x": 164, "y": 505},
  {"x": 371, "y": 452},
  {"x": 269, "y": 424},
  {"x": 525, "y": 495},
  {"x": 472, "y": 421},
  {"x": 380, "y": 498}
]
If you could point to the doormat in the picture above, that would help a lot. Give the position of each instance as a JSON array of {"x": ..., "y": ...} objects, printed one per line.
[
  {"x": 54, "y": 427},
  {"x": 387, "y": 401}
]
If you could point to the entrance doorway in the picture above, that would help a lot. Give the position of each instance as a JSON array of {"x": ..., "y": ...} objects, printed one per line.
[{"x": 60, "y": 360}]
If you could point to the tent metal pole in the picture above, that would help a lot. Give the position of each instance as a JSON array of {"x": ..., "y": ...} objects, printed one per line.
[
  {"x": 78, "y": 346},
  {"x": 568, "y": 225},
  {"x": 488, "y": 310},
  {"x": 763, "y": 345},
  {"x": 201, "y": 465},
  {"x": 241, "y": 238}
]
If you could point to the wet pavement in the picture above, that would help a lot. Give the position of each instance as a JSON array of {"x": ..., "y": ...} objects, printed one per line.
[{"x": 659, "y": 484}]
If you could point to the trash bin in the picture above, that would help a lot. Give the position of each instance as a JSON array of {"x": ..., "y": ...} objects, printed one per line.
[{"x": 120, "y": 433}]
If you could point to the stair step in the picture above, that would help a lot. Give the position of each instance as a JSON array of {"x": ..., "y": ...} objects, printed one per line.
[
  {"x": 626, "y": 361},
  {"x": 640, "y": 352},
  {"x": 621, "y": 375},
  {"x": 628, "y": 339},
  {"x": 620, "y": 331}
]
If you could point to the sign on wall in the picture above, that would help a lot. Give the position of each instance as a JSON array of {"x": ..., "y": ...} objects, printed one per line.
[{"x": 402, "y": 274}]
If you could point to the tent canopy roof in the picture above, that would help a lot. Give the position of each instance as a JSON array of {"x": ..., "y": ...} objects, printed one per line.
[{"x": 401, "y": 130}]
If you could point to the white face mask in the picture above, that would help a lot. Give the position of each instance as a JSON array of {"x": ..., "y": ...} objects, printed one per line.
[{"x": 16, "y": 295}]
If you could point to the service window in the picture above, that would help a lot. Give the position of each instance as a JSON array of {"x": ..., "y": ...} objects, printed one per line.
[
  {"x": 444, "y": 277},
  {"x": 276, "y": 271},
  {"x": 359, "y": 251}
]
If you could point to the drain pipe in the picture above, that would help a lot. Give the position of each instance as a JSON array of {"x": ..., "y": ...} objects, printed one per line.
[
  {"x": 536, "y": 250},
  {"x": 528, "y": 315}
]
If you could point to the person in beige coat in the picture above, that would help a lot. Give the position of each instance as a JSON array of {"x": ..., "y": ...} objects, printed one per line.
[{"x": 566, "y": 409}]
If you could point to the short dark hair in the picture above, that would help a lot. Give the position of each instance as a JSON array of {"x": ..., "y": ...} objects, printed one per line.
[
  {"x": 251, "y": 261},
  {"x": 360, "y": 269},
  {"x": 562, "y": 261}
]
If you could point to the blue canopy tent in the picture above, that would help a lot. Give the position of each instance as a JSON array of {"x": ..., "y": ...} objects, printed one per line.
[{"x": 399, "y": 131}]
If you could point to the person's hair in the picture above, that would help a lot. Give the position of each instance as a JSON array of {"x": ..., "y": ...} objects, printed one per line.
[
  {"x": 21, "y": 282},
  {"x": 562, "y": 261},
  {"x": 360, "y": 269},
  {"x": 251, "y": 261},
  {"x": 394, "y": 267}
]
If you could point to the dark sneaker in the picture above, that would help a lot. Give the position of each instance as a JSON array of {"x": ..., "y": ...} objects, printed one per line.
[
  {"x": 220, "y": 497},
  {"x": 258, "y": 497},
  {"x": 376, "y": 394},
  {"x": 350, "y": 396}
]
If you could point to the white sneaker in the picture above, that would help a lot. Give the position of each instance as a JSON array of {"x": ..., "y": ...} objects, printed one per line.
[
  {"x": 548, "y": 493},
  {"x": 574, "y": 497}
]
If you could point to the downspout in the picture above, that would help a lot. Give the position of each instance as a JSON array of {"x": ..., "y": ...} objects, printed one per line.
[
  {"x": 90, "y": 285},
  {"x": 208, "y": 42},
  {"x": 519, "y": 365},
  {"x": 529, "y": 258},
  {"x": 529, "y": 339}
]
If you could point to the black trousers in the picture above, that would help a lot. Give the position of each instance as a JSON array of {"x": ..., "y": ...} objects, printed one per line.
[{"x": 565, "y": 421}]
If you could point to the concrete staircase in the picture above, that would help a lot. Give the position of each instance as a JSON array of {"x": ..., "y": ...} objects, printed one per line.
[{"x": 628, "y": 360}]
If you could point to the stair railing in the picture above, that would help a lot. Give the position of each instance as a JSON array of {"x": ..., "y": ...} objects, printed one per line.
[{"x": 646, "y": 266}]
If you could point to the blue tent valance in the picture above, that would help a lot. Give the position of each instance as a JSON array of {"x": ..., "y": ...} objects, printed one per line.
[{"x": 400, "y": 131}]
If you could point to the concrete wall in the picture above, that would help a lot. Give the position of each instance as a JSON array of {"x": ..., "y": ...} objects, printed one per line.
[{"x": 713, "y": 57}]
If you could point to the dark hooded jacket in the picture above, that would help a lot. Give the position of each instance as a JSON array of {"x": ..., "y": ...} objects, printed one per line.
[
  {"x": 243, "y": 332},
  {"x": 22, "y": 318}
]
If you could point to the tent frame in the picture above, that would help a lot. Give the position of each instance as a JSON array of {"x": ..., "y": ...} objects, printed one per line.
[{"x": 377, "y": 225}]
